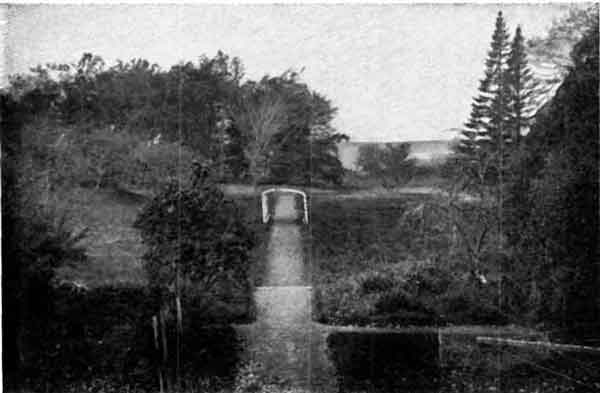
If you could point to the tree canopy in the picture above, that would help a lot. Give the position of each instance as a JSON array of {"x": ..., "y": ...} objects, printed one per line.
[
  {"x": 244, "y": 127},
  {"x": 390, "y": 164}
]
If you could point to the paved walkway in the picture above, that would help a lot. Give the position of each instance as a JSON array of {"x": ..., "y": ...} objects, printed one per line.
[
  {"x": 289, "y": 349},
  {"x": 285, "y": 256}
]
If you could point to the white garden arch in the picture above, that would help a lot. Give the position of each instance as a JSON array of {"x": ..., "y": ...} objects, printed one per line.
[{"x": 265, "y": 202}]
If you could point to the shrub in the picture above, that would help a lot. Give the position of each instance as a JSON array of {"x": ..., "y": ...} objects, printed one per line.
[
  {"x": 397, "y": 299},
  {"x": 94, "y": 333},
  {"x": 105, "y": 335},
  {"x": 385, "y": 361},
  {"x": 454, "y": 294},
  {"x": 376, "y": 282},
  {"x": 195, "y": 232},
  {"x": 34, "y": 244},
  {"x": 470, "y": 303},
  {"x": 341, "y": 303},
  {"x": 102, "y": 156},
  {"x": 367, "y": 257},
  {"x": 162, "y": 162},
  {"x": 430, "y": 279}
]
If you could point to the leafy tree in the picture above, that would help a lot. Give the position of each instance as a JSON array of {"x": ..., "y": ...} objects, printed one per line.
[
  {"x": 105, "y": 156},
  {"x": 261, "y": 115},
  {"x": 194, "y": 94},
  {"x": 389, "y": 164},
  {"x": 203, "y": 106},
  {"x": 308, "y": 151},
  {"x": 287, "y": 132},
  {"x": 324, "y": 166},
  {"x": 234, "y": 159},
  {"x": 158, "y": 163},
  {"x": 79, "y": 87},
  {"x": 132, "y": 96},
  {"x": 555, "y": 48}
]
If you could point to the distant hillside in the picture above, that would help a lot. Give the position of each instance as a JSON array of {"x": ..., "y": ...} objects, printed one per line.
[{"x": 425, "y": 152}]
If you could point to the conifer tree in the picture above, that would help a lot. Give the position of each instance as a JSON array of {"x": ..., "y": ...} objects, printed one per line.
[
  {"x": 481, "y": 149},
  {"x": 522, "y": 87}
]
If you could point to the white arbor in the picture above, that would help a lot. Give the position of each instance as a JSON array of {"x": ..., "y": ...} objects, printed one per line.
[{"x": 265, "y": 202}]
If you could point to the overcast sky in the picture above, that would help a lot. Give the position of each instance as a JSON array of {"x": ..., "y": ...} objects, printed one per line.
[{"x": 396, "y": 72}]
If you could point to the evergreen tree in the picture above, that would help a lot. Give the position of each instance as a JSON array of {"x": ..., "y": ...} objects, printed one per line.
[
  {"x": 481, "y": 148},
  {"x": 522, "y": 87},
  {"x": 555, "y": 241}
]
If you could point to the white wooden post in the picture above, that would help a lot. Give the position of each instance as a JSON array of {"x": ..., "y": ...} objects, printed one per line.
[
  {"x": 305, "y": 208},
  {"x": 265, "y": 207}
]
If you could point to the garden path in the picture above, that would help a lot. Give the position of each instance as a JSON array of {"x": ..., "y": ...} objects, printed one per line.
[
  {"x": 284, "y": 346},
  {"x": 285, "y": 259}
]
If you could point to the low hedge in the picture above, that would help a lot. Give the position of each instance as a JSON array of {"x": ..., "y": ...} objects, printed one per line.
[{"x": 107, "y": 333}]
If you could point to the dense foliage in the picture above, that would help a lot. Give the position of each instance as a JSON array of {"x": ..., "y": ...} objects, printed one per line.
[
  {"x": 555, "y": 47},
  {"x": 35, "y": 242},
  {"x": 196, "y": 239},
  {"x": 389, "y": 164},
  {"x": 102, "y": 339},
  {"x": 553, "y": 228},
  {"x": 287, "y": 132},
  {"x": 276, "y": 129},
  {"x": 397, "y": 262}
]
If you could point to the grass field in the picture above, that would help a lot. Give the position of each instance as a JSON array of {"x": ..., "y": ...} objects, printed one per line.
[{"x": 114, "y": 248}]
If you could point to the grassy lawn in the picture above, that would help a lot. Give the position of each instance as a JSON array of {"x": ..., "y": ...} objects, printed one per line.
[
  {"x": 115, "y": 249},
  {"x": 113, "y": 246}
]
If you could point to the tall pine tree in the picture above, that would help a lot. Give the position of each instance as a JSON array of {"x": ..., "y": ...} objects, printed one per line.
[
  {"x": 481, "y": 148},
  {"x": 522, "y": 88}
]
